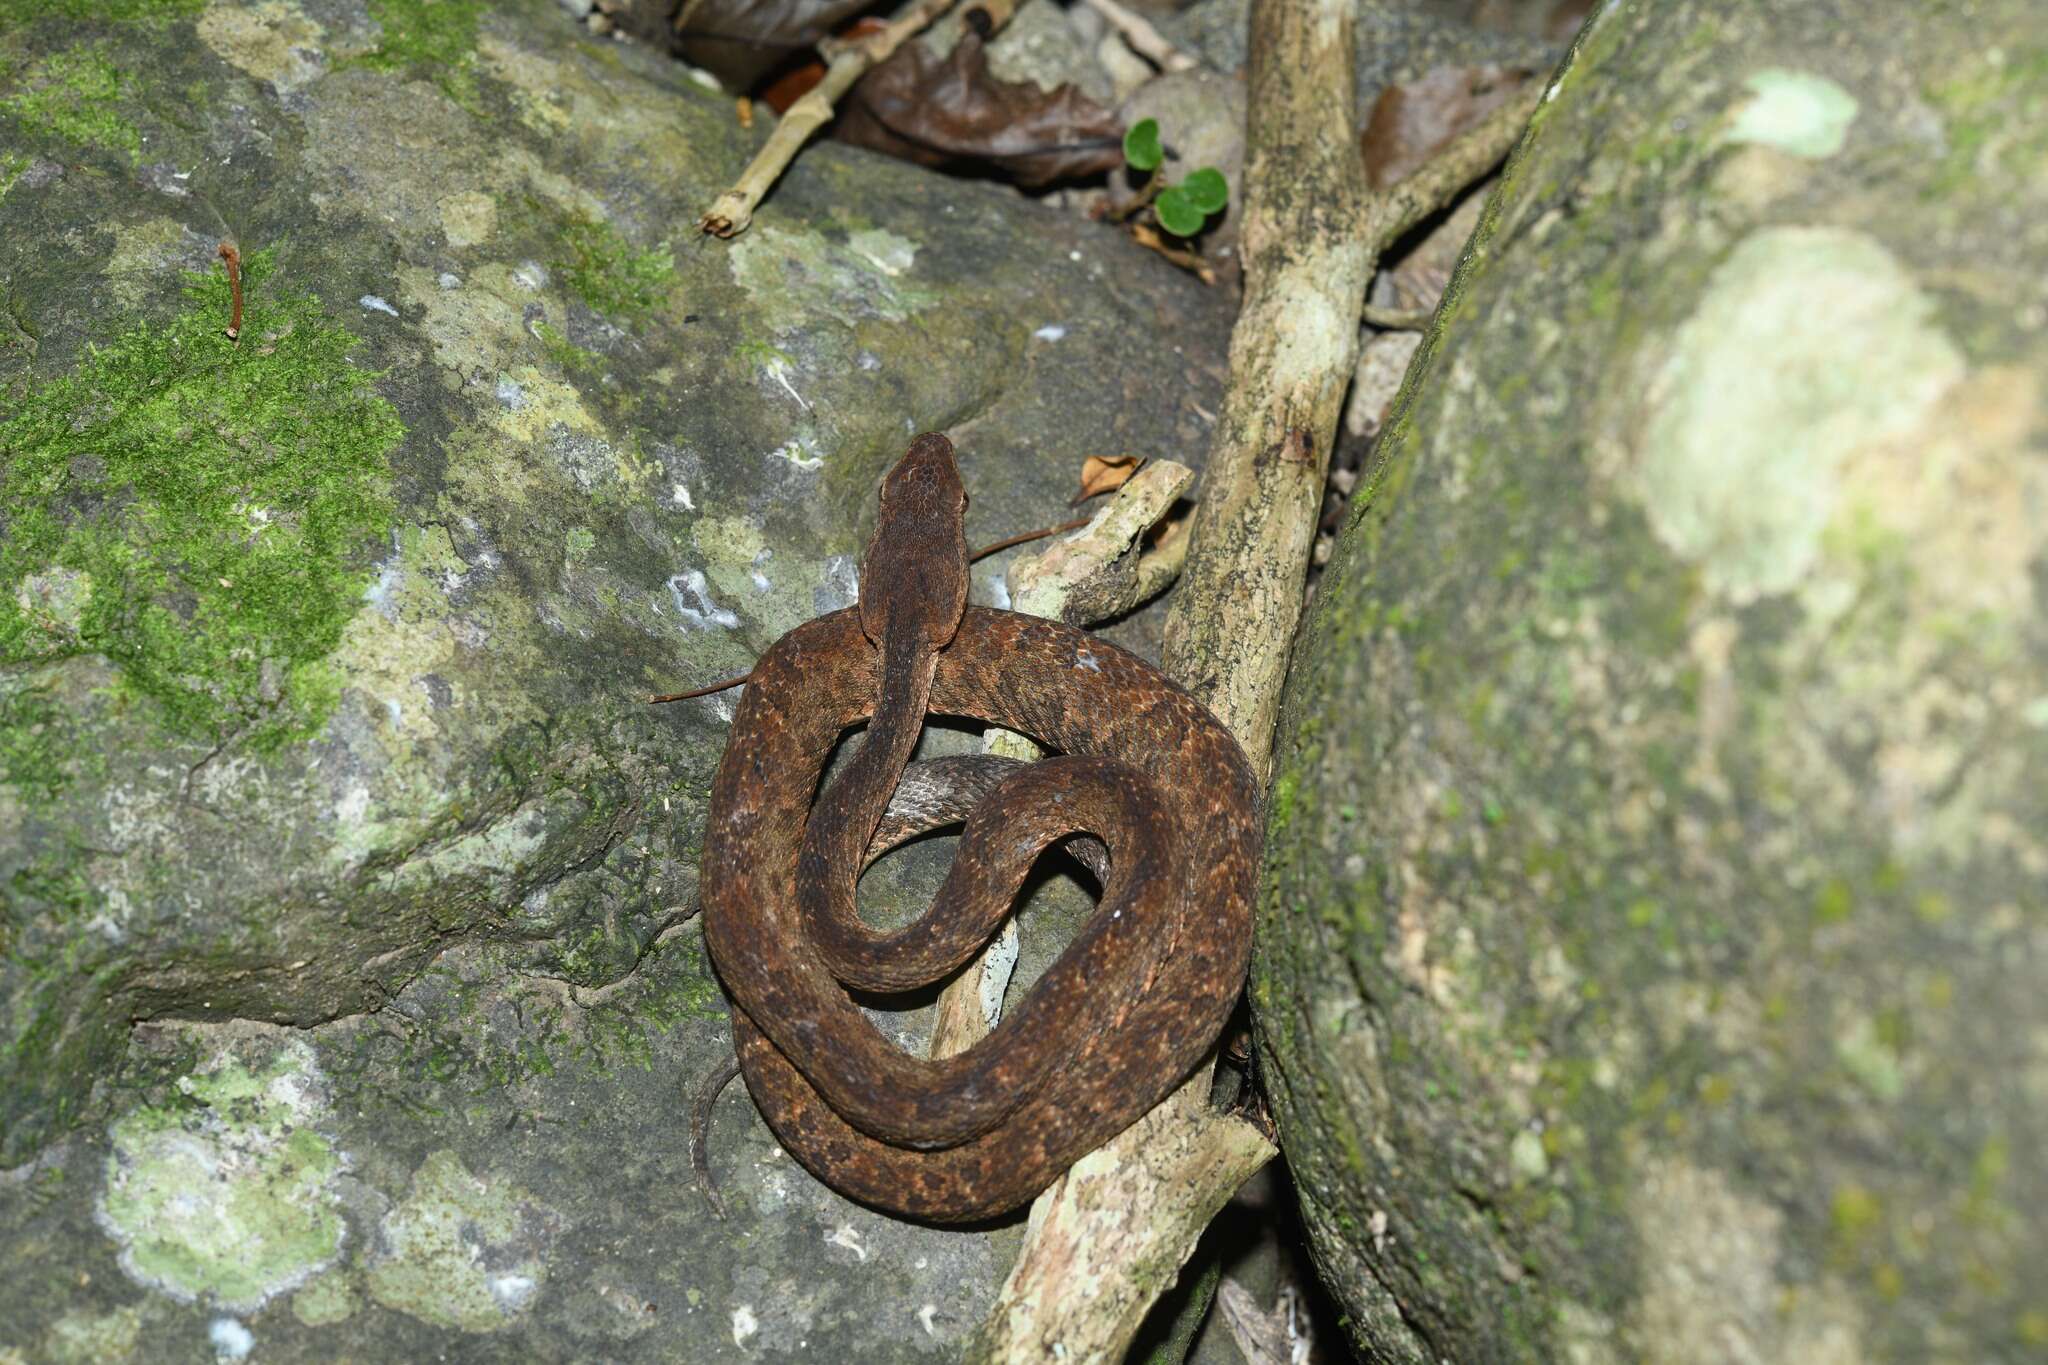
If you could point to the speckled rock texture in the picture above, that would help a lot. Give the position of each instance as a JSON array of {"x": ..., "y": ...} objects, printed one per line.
[
  {"x": 349, "y": 994},
  {"x": 1651, "y": 961}
]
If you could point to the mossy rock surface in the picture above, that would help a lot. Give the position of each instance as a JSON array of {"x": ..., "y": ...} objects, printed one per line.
[
  {"x": 1650, "y": 960},
  {"x": 344, "y": 871}
]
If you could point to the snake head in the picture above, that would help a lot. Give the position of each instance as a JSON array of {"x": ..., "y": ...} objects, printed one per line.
[{"x": 914, "y": 575}]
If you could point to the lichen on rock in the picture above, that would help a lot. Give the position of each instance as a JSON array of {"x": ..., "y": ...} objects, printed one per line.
[{"x": 226, "y": 1193}]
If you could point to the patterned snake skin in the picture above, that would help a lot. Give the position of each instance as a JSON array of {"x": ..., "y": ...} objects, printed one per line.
[{"x": 1129, "y": 1007}]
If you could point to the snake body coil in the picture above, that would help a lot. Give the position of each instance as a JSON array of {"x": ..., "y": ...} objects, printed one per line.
[{"x": 1130, "y": 1006}]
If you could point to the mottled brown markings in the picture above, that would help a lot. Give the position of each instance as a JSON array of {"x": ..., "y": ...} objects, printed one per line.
[{"x": 1131, "y": 1005}]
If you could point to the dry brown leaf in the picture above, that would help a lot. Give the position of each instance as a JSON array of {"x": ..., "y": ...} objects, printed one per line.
[
  {"x": 1105, "y": 474},
  {"x": 947, "y": 111},
  {"x": 1412, "y": 121},
  {"x": 738, "y": 41}
]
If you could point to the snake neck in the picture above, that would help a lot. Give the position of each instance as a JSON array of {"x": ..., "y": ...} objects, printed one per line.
[{"x": 847, "y": 814}]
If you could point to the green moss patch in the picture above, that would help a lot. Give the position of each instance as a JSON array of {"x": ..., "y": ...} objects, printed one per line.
[
  {"x": 197, "y": 511},
  {"x": 603, "y": 270},
  {"x": 435, "y": 37},
  {"x": 74, "y": 95},
  {"x": 105, "y": 11}
]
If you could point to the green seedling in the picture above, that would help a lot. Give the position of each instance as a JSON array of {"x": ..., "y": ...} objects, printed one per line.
[{"x": 1185, "y": 207}]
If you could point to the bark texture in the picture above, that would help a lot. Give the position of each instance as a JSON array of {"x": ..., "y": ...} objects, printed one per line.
[{"x": 1651, "y": 961}]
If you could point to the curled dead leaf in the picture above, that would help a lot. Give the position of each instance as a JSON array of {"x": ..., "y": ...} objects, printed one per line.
[
  {"x": 1105, "y": 474},
  {"x": 1413, "y": 120},
  {"x": 947, "y": 111}
]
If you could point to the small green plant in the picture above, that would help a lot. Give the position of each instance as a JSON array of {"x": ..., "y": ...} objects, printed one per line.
[{"x": 1182, "y": 208}]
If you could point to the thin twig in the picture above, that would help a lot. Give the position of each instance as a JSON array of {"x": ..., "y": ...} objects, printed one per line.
[
  {"x": 1025, "y": 539},
  {"x": 227, "y": 252},
  {"x": 1117, "y": 213},
  {"x": 1470, "y": 157},
  {"x": 1145, "y": 40},
  {"x": 700, "y": 1130},
  {"x": 845, "y": 63},
  {"x": 1397, "y": 319},
  {"x": 700, "y": 691},
  {"x": 1145, "y": 236}
]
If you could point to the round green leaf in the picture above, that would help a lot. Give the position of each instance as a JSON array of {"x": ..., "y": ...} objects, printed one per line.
[
  {"x": 1177, "y": 214},
  {"x": 1141, "y": 145},
  {"x": 1206, "y": 189}
]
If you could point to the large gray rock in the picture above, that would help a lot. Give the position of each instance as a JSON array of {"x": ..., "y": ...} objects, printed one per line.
[
  {"x": 348, "y": 991},
  {"x": 1652, "y": 961}
]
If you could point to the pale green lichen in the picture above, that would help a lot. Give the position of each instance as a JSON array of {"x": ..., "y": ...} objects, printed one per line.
[
  {"x": 1739, "y": 471},
  {"x": 83, "y": 1338},
  {"x": 327, "y": 1300},
  {"x": 800, "y": 277},
  {"x": 218, "y": 499},
  {"x": 228, "y": 1196},
  {"x": 272, "y": 41},
  {"x": 462, "y": 1251},
  {"x": 1798, "y": 112}
]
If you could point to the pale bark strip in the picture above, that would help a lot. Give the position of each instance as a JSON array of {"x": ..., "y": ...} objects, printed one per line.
[
  {"x": 1112, "y": 1234},
  {"x": 846, "y": 62},
  {"x": 1072, "y": 567},
  {"x": 1307, "y": 262},
  {"x": 1145, "y": 40}
]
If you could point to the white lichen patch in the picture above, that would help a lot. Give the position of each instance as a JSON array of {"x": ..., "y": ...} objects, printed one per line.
[
  {"x": 802, "y": 277},
  {"x": 739, "y": 566},
  {"x": 230, "y": 1195},
  {"x": 1798, "y": 112},
  {"x": 231, "y": 1340},
  {"x": 462, "y": 1251},
  {"x": 884, "y": 250},
  {"x": 1809, "y": 345},
  {"x": 272, "y": 41},
  {"x": 690, "y": 598}
]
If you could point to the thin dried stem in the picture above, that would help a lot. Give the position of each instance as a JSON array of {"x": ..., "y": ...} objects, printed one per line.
[
  {"x": 845, "y": 63},
  {"x": 1145, "y": 40}
]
